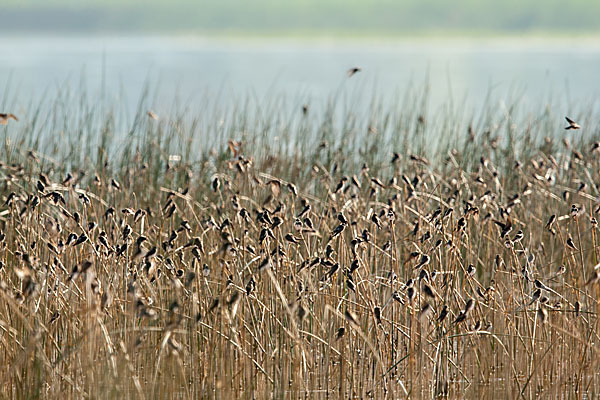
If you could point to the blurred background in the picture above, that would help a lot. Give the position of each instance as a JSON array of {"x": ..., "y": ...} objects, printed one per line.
[
  {"x": 301, "y": 17},
  {"x": 189, "y": 54}
]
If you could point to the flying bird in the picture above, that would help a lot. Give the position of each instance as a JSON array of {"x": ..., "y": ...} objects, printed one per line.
[
  {"x": 5, "y": 117},
  {"x": 353, "y": 71},
  {"x": 572, "y": 124}
]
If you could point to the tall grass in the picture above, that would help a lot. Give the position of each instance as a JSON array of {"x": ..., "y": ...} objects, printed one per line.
[{"x": 217, "y": 312}]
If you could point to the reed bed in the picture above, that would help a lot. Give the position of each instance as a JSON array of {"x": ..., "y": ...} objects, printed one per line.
[{"x": 391, "y": 253}]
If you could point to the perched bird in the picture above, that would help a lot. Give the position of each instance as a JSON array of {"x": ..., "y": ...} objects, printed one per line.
[
  {"x": 340, "y": 184},
  {"x": 425, "y": 259},
  {"x": 535, "y": 296},
  {"x": 304, "y": 211},
  {"x": 216, "y": 184},
  {"x": 464, "y": 312},
  {"x": 353, "y": 71},
  {"x": 377, "y": 313},
  {"x": 506, "y": 227},
  {"x": 411, "y": 294},
  {"x": 396, "y": 297},
  {"x": 570, "y": 243},
  {"x": 292, "y": 239},
  {"x": 115, "y": 184},
  {"x": 471, "y": 270},
  {"x": 443, "y": 314},
  {"x": 572, "y": 124},
  {"x": 551, "y": 221},
  {"x": 339, "y": 229},
  {"x": 518, "y": 237},
  {"x": 5, "y": 117},
  {"x": 428, "y": 291}
]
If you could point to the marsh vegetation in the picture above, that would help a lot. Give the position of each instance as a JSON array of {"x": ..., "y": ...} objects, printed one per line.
[{"x": 255, "y": 253}]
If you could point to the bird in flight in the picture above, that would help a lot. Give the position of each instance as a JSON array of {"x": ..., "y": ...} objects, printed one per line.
[
  {"x": 5, "y": 117},
  {"x": 572, "y": 124},
  {"x": 353, "y": 71}
]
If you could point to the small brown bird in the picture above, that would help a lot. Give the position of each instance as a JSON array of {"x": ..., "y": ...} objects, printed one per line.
[
  {"x": 5, "y": 117},
  {"x": 572, "y": 124},
  {"x": 152, "y": 115},
  {"x": 353, "y": 71}
]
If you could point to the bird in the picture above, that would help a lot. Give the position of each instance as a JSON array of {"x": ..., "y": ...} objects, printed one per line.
[
  {"x": 551, "y": 221},
  {"x": 428, "y": 291},
  {"x": 518, "y": 237},
  {"x": 465, "y": 311},
  {"x": 216, "y": 184},
  {"x": 353, "y": 71},
  {"x": 410, "y": 294},
  {"x": 5, "y": 117},
  {"x": 339, "y": 229},
  {"x": 443, "y": 314},
  {"x": 377, "y": 312},
  {"x": 535, "y": 296},
  {"x": 292, "y": 239},
  {"x": 570, "y": 244},
  {"x": 471, "y": 270},
  {"x": 425, "y": 259},
  {"x": 506, "y": 227},
  {"x": 572, "y": 124}
]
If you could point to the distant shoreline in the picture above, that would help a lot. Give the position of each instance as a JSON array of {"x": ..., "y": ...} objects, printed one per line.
[{"x": 512, "y": 39}]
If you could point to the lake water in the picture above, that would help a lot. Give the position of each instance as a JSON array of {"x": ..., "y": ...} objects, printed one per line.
[{"x": 199, "y": 70}]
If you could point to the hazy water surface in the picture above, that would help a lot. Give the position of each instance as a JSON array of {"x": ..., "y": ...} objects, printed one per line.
[{"x": 220, "y": 71}]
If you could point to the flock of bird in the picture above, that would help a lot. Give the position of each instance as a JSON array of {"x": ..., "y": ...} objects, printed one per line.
[{"x": 412, "y": 239}]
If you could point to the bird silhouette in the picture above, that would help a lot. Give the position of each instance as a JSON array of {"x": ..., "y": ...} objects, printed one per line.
[
  {"x": 5, "y": 117},
  {"x": 572, "y": 124},
  {"x": 353, "y": 71}
]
